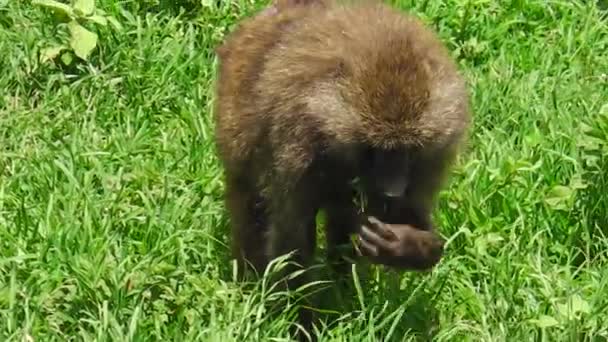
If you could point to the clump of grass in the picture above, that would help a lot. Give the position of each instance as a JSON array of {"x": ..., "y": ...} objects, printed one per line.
[{"x": 112, "y": 225}]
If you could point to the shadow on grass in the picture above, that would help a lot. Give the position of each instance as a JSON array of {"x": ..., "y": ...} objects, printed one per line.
[
  {"x": 593, "y": 203},
  {"x": 377, "y": 299},
  {"x": 381, "y": 299},
  {"x": 402, "y": 304}
]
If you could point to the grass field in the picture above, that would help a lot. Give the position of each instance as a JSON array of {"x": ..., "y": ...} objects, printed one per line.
[{"x": 112, "y": 225}]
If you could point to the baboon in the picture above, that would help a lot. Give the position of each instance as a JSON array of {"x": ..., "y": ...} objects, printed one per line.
[{"x": 312, "y": 96}]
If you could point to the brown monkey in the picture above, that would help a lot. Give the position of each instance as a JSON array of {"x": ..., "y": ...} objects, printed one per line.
[{"x": 313, "y": 94}]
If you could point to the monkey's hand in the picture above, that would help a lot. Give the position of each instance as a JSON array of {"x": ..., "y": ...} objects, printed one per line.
[{"x": 400, "y": 246}]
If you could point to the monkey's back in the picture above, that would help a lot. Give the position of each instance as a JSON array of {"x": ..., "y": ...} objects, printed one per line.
[
  {"x": 271, "y": 66},
  {"x": 240, "y": 119}
]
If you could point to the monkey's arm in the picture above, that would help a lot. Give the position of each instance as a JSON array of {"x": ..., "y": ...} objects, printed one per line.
[
  {"x": 292, "y": 222},
  {"x": 399, "y": 245},
  {"x": 292, "y": 192}
]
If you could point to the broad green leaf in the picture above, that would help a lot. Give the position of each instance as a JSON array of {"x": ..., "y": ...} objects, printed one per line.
[
  {"x": 580, "y": 305},
  {"x": 545, "y": 321},
  {"x": 565, "y": 311},
  {"x": 558, "y": 197},
  {"x": 83, "y": 41},
  {"x": 115, "y": 23},
  {"x": 84, "y": 7},
  {"x": 578, "y": 183},
  {"x": 50, "y": 53},
  {"x": 493, "y": 238},
  {"x": 98, "y": 19},
  {"x": 604, "y": 110},
  {"x": 55, "y": 6},
  {"x": 67, "y": 58},
  {"x": 574, "y": 307}
]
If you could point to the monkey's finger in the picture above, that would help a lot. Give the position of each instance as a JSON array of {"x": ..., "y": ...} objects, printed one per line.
[
  {"x": 373, "y": 238},
  {"x": 367, "y": 248},
  {"x": 382, "y": 229}
]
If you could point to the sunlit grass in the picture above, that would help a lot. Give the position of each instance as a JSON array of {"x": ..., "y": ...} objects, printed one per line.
[{"x": 112, "y": 225}]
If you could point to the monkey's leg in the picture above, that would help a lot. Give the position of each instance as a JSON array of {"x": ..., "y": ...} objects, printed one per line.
[
  {"x": 248, "y": 226},
  {"x": 342, "y": 220},
  {"x": 292, "y": 229}
]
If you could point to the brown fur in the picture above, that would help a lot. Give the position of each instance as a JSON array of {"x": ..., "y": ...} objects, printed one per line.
[{"x": 301, "y": 87}]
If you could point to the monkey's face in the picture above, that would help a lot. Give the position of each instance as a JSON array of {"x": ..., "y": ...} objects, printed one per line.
[{"x": 386, "y": 173}]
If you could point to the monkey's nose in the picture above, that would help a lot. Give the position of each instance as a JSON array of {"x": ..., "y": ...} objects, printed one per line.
[
  {"x": 393, "y": 193},
  {"x": 393, "y": 188}
]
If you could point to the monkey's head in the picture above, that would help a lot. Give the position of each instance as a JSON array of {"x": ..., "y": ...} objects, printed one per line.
[{"x": 401, "y": 111}]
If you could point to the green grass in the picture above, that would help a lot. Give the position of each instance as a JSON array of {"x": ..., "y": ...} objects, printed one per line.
[{"x": 112, "y": 225}]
